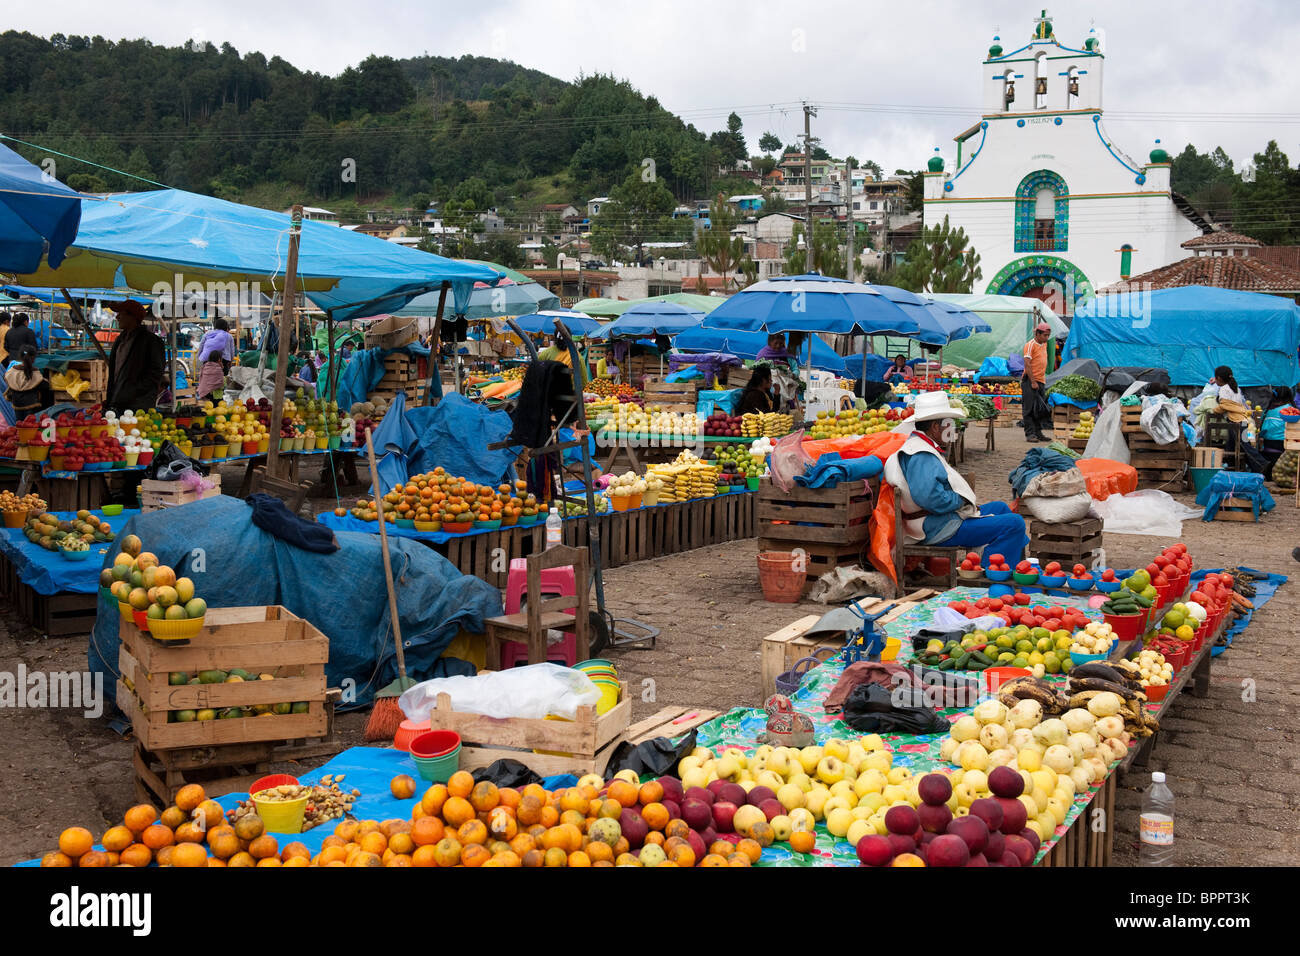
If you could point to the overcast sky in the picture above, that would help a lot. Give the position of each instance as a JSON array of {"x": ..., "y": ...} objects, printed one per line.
[{"x": 1210, "y": 73}]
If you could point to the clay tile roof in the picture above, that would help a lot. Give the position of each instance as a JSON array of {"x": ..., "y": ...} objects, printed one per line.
[
  {"x": 1242, "y": 273},
  {"x": 1220, "y": 239}
]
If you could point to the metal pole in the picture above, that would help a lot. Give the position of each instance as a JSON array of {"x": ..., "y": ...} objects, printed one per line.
[
  {"x": 850, "y": 271},
  {"x": 807, "y": 190},
  {"x": 286, "y": 323}
]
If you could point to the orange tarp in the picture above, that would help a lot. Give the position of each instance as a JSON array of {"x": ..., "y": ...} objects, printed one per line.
[
  {"x": 1106, "y": 477},
  {"x": 881, "y": 445}
]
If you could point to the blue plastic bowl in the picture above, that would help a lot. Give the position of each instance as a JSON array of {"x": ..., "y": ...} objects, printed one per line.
[
  {"x": 1076, "y": 584},
  {"x": 997, "y": 575},
  {"x": 1109, "y": 587},
  {"x": 1051, "y": 580},
  {"x": 1290, "y": 419},
  {"x": 75, "y": 555},
  {"x": 1077, "y": 659}
]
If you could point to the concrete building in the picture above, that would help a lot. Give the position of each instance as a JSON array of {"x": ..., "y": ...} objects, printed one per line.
[{"x": 1052, "y": 205}]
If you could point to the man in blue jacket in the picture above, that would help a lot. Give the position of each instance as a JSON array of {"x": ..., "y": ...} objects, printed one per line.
[{"x": 937, "y": 503}]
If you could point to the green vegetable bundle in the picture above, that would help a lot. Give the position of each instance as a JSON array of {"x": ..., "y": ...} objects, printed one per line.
[
  {"x": 1077, "y": 387},
  {"x": 978, "y": 408}
]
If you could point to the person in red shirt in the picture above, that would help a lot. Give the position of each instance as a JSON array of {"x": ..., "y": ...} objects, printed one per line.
[{"x": 1033, "y": 385}]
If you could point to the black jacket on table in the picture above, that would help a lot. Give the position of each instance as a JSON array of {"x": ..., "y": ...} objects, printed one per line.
[{"x": 142, "y": 373}]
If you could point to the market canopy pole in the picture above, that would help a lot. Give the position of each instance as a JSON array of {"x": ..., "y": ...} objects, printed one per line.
[
  {"x": 435, "y": 347},
  {"x": 80, "y": 317},
  {"x": 286, "y": 323}
]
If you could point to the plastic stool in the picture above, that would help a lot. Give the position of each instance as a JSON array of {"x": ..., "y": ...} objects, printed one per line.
[
  {"x": 555, "y": 582},
  {"x": 515, "y": 653}
]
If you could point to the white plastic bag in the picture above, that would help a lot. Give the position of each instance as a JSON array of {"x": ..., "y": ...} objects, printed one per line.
[
  {"x": 1148, "y": 512},
  {"x": 1055, "y": 510},
  {"x": 1056, "y": 484},
  {"x": 1160, "y": 421},
  {"x": 535, "y": 691},
  {"x": 1107, "y": 439}
]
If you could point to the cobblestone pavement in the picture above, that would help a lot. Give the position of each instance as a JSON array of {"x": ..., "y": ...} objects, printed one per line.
[{"x": 1231, "y": 760}]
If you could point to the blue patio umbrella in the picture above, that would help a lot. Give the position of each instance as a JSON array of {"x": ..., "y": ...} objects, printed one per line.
[
  {"x": 747, "y": 345},
  {"x": 652, "y": 318},
  {"x": 960, "y": 321},
  {"x": 815, "y": 303},
  {"x": 543, "y": 323},
  {"x": 35, "y": 210}
]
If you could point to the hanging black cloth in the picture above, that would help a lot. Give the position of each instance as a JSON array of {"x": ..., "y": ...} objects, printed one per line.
[{"x": 545, "y": 394}]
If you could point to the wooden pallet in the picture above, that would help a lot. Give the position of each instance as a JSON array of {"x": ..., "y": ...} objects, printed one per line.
[
  {"x": 92, "y": 371},
  {"x": 671, "y": 722},
  {"x": 1073, "y": 542},
  {"x": 583, "y": 745},
  {"x": 1130, "y": 417},
  {"x": 258, "y": 639},
  {"x": 1076, "y": 444},
  {"x": 804, "y": 516},
  {"x": 1205, "y": 457},
  {"x": 1236, "y": 509},
  {"x": 783, "y": 648},
  {"x": 223, "y": 769},
  {"x": 156, "y": 495}
]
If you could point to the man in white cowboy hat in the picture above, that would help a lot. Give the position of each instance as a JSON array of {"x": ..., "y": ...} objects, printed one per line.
[{"x": 938, "y": 505}]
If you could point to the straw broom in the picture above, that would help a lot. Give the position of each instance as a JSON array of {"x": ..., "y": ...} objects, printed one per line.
[{"x": 387, "y": 716}]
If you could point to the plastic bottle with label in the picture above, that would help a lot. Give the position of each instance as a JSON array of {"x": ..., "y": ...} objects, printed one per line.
[
  {"x": 1156, "y": 824},
  {"x": 554, "y": 529}
]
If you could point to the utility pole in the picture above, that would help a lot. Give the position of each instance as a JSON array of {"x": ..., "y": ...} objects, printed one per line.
[
  {"x": 851, "y": 273},
  {"x": 808, "y": 113}
]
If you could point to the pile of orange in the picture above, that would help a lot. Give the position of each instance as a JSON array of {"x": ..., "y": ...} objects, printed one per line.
[{"x": 438, "y": 496}]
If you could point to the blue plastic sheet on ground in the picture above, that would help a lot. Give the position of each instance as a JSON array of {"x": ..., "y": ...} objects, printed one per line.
[
  {"x": 1056, "y": 398},
  {"x": 48, "y": 572},
  {"x": 1247, "y": 485},
  {"x": 370, "y": 770},
  {"x": 235, "y": 564},
  {"x": 993, "y": 366},
  {"x": 453, "y": 434},
  {"x": 830, "y": 469},
  {"x": 1266, "y": 586},
  {"x": 349, "y": 523}
]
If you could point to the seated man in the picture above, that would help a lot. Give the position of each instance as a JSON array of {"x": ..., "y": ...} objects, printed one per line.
[{"x": 938, "y": 506}]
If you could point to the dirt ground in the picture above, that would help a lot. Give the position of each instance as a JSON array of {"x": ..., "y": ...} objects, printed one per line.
[{"x": 1231, "y": 758}]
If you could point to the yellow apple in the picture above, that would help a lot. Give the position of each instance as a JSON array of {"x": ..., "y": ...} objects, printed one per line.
[
  {"x": 966, "y": 794},
  {"x": 842, "y": 788},
  {"x": 872, "y": 742},
  {"x": 895, "y": 793},
  {"x": 856, "y": 753},
  {"x": 781, "y": 826},
  {"x": 873, "y": 800},
  {"x": 779, "y": 762},
  {"x": 1044, "y": 779},
  {"x": 863, "y": 812},
  {"x": 978, "y": 780},
  {"x": 790, "y": 796},
  {"x": 857, "y": 830},
  {"x": 870, "y": 781},
  {"x": 1037, "y": 827},
  {"x": 594, "y": 779},
  {"x": 704, "y": 753},
  {"x": 1058, "y": 808},
  {"x": 764, "y": 751},
  {"x": 838, "y": 821},
  {"x": 1031, "y": 805},
  {"x": 809, "y": 757},
  {"x": 689, "y": 762},
  {"x": 629, "y": 775},
  {"x": 815, "y": 801},
  {"x": 830, "y": 770},
  {"x": 745, "y": 818},
  {"x": 802, "y": 781},
  {"x": 739, "y": 756},
  {"x": 898, "y": 774},
  {"x": 1047, "y": 820},
  {"x": 747, "y": 784},
  {"x": 880, "y": 760},
  {"x": 695, "y": 777},
  {"x": 836, "y": 748},
  {"x": 728, "y": 768},
  {"x": 801, "y": 818}
]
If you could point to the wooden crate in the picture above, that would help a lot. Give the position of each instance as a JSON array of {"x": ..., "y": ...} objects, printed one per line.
[
  {"x": 1236, "y": 509},
  {"x": 53, "y": 615},
  {"x": 1064, "y": 418},
  {"x": 156, "y": 495},
  {"x": 670, "y": 722},
  {"x": 86, "y": 492},
  {"x": 1130, "y": 417},
  {"x": 258, "y": 639},
  {"x": 392, "y": 332},
  {"x": 804, "y": 516},
  {"x": 92, "y": 371},
  {"x": 781, "y": 649},
  {"x": 1070, "y": 542},
  {"x": 671, "y": 396},
  {"x": 1207, "y": 457},
  {"x": 580, "y": 746}
]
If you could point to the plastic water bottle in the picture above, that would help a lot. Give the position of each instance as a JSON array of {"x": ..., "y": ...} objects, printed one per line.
[
  {"x": 554, "y": 532},
  {"x": 1156, "y": 824}
]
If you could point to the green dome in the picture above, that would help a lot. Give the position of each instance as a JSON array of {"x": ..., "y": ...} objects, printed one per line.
[
  {"x": 936, "y": 162},
  {"x": 1158, "y": 155},
  {"x": 996, "y": 49},
  {"x": 1091, "y": 44}
]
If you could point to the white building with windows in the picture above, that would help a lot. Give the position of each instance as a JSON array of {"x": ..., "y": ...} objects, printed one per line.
[{"x": 1051, "y": 203}]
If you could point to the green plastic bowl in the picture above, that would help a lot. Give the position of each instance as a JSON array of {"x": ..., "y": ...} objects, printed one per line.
[{"x": 111, "y": 510}]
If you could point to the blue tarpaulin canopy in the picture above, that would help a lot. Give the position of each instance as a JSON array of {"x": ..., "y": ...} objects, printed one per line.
[
  {"x": 35, "y": 209},
  {"x": 143, "y": 240},
  {"x": 55, "y": 296},
  {"x": 652, "y": 318},
  {"x": 515, "y": 294},
  {"x": 815, "y": 303},
  {"x": 747, "y": 345},
  {"x": 543, "y": 323},
  {"x": 1189, "y": 331}
]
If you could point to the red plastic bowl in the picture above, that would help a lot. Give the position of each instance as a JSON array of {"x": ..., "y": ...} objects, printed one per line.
[
  {"x": 1156, "y": 693},
  {"x": 272, "y": 780},
  {"x": 407, "y": 732},
  {"x": 435, "y": 743},
  {"x": 997, "y": 676}
]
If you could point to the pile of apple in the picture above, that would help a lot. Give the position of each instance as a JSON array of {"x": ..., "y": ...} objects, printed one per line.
[
  {"x": 988, "y": 831},
  {"x": 722, "y": 425}
]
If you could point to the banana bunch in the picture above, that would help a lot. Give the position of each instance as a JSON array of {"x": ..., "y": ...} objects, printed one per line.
[
  {"x": 765, "y": 425},
  {"x": 1036, "y": 689}
]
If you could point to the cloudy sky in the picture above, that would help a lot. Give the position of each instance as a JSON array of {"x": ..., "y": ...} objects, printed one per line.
[{"x": 893, "y": 80}]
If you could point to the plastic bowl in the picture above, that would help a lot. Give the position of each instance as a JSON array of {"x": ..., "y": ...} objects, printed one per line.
[
  {"x": 75, "y": 555},
  {"x": 438, "y": 769},
  {"x": 435, "y": 743},
  {"x": 970, "y": 575},
  {"x": 997, "y": 676},
  {"x": 1156, "y": 692},
  {"x": 405, "y": 523},
  {"x": 1080, "y": 584},
  {"x": 593, "y": 661},
  {"x": 457, "y": 527},
  {"x": 1051, "y": 580},
  {"x": 997, "y": 575},
  {"x": 141, "y": 619},
  {"x": 428, "y": 526},
  {"x": 490, "y": 525},
  {"x": 176, "y": 630},
  {"x": 126, "y": 611},
  {"x": 1290, "y": 419},
  {"x": 408, "y": 731},
  {"x": 1030, "y": 578},
  {"x": 111, "y": 510},
  {"x": 282, "y": 816},
  {"x": 1077, "y": 659},
  {"x": 1109, "y": 587},
  {"x": 272, "y": 780}
]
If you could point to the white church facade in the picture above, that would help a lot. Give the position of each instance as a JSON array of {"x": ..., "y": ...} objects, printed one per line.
[{"x": 1052, "y": 205}]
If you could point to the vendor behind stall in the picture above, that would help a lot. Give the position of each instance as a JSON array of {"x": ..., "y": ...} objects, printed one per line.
[
  {"x": 136, "y": 364},
  {"x": 757, "y": 396},
  {"x": 216, "y": 351},
  {"x": 899, "y": 371},
  {"x": 938, "y": 506},
  {"x": 25, "y": 387}
]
